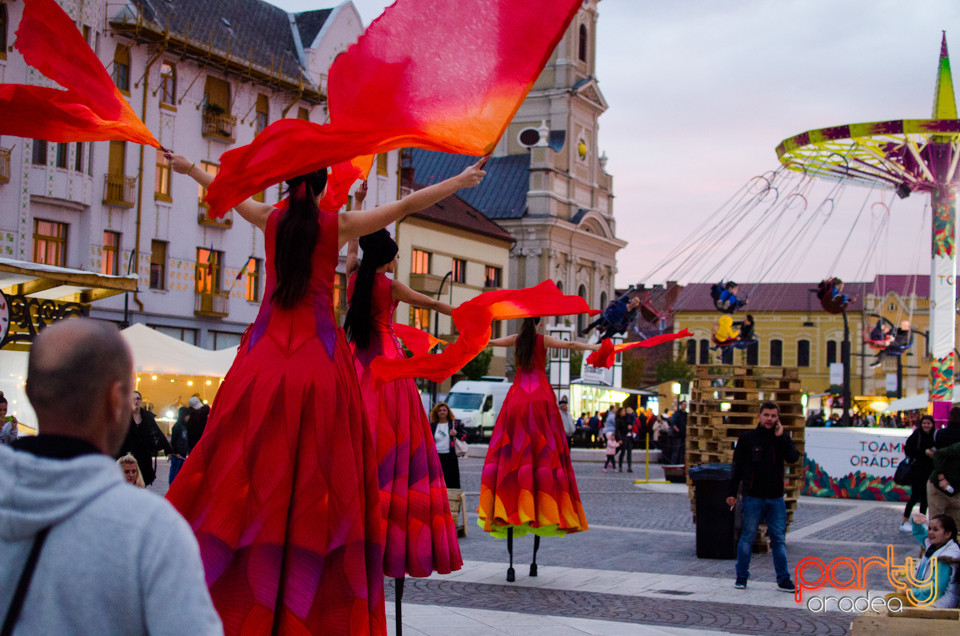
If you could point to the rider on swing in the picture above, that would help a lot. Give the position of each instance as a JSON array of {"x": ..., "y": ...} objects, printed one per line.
[
  {"x": 725, "y": 297},
  {"x": 619, "y": 315}
]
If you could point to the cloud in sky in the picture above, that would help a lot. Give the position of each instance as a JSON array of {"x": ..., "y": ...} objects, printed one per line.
[{"x": 701, "y": 92}]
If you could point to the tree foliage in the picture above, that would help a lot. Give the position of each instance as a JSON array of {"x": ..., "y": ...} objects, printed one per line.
[
  {"x": 674, "y": 370},
  {"x": 479, "y": 366}
]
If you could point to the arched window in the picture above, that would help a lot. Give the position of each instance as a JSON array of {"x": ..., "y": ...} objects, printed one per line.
[
  {"x": 583, "y": 43},
  {"x": 803, "y": 353},
  {"x": 776, "y": 353},
  {"x": 831, "y": 352},
  {"x": 603, "y": 301},
  {"x": 3, "y": 31},
  {"x": 691, "y": 351},
  {"x": 753, "y": 354},
  {"x": 168, "y": 83},
  {"x": 704, "y": 351},
  {"x": 582, "y": 318},
  {"x": 121, "y": 67},
  {"x": 558, "y": 320}
]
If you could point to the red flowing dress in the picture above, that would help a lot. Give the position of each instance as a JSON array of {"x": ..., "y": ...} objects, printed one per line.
[
  {"x": 281, "y": 491},
  {"x": 421, "y": 536},
  {"x": 527, "y": 482}
]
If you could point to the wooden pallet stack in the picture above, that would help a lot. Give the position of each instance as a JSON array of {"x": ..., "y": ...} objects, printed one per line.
[{"x": 725, "y": 402}]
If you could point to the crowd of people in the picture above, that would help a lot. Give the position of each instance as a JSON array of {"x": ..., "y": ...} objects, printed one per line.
[{"x": 621, "y": 430}]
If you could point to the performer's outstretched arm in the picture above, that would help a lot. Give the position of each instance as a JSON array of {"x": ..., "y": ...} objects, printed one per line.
[
  {"x": 356, "y": 224},
  {"x": 252, "y": 211},
  {"x": 506, "y": 341},
  {"x": 556, "y": 343},
  {"x": 404, "y": 294}
]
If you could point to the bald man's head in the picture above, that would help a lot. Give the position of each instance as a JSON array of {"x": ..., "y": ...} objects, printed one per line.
[{"x": 77, "y": 369}]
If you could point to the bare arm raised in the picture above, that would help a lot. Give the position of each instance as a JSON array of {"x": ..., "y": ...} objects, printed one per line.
[
  {"x": 356, "y": 224},
  {"x": 404, "y": 294},
  {"x": 252, "y": 211}
]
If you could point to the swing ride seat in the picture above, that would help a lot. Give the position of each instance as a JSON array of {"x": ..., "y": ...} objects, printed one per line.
[
  {"x": 876, "y": 345},
  {"x": 744, "y": 344},
  {"x": 723, "y": 344},
  {"x": 895, "y": 349}
]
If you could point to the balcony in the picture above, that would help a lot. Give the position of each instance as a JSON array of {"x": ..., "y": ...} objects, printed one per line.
[
  {"x": 226, "y": 221},
  {"x": 219, "y": 125},
  {"x": 215, "y": 304},
  {"x": 425, "y": 283},
  {"x": 119, "y": 190},
  {"x": 5, "y": 165}
]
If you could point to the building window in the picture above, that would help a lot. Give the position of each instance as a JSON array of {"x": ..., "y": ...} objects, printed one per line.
[
  {"x": 161, "y": 180},
  {"x": 420, "y": 263},
  {"x": 62, "y": 153},
  {"x": 382, "y": 164},
  {"x": 50, "y": 243},
  {"x": 110, "y": 256},
  {"x": 691, "y": 351},
  {"x": 492, "y": 277},
  {"x": 209, "y": 269},
  {"x": 263, "y": 114},
  {"x": 253, "y": 280},
  {"x": 776, "y": 353},
  {"x": 158, "y": 264},
  {"x": 803, "y": 353},
  {"x": 168, "y": 83},
  {"x": 78, "y": 159},
  {"x": 303, "y": 113},
  {"x": 704, "y": 351},
  {"x": 459, "y": 270},
  {"x": 184, "y": 334},
  {"x": 216, "y": 96},
  {"x": 117, "y": 161},
  {"x": 753, "y": 354},
  {"x": 225, "y": 340},
  {"x": 209, "y": 168},
  {"x": 831, "y": 352},
  {"x": 582, "y": 53},
  {"x": 420, "y": 318},
  {"x": 39, "y": 157},
  {"x": 121, "y": 68},
  {"x": 3, "y": 31}
]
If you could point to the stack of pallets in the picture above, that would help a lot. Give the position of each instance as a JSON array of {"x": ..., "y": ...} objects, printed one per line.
[{"x": 725, "y": 402}]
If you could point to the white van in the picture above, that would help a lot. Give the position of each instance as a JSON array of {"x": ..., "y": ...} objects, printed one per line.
[{"x": 476, "y": 403}]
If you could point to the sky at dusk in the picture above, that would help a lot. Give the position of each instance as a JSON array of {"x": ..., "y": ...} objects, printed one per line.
[{"x": 700, "y": 94}]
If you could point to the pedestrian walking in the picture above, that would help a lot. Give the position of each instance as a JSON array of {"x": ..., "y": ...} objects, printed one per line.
[
  {"x": 144, "y": 440},
  {"x": 180, "y": 441},
  {"x": 625, "y": 435},
  {"x": 612, "y": 445},
  {"x": 677, "y": 435},
  {"x": 111, "y": 560},
  {"x": 943, "y": 488},
  {"x": 446, "y": 429},
  {"x": 916, "y": 448},
  {"x": 758, "y": 464},
  {"x": 568, "y": 426}
]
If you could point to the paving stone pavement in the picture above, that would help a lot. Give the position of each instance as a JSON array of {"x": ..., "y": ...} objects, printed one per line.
[{"x": 645, "y": 529}]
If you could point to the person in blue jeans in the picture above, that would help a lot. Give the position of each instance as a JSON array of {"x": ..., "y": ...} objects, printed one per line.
[{"x": 758, "y": 461}]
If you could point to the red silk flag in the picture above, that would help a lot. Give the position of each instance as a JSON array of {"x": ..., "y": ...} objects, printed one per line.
[
  {"x": 434, "y": 74},
  {"x": 90, "y": 109},
  {"x": 604, "y": 358},
  {"x": 473, "y": 319},
  {"x": 418, "y": 341}
]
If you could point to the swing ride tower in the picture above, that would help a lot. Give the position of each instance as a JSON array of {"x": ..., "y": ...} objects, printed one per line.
[{"x": 907, "y": 155}]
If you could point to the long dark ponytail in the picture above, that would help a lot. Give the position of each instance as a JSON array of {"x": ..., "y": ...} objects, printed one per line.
[
  {"x": 296, "y": 238},
  {"x": 526, "y": 341},
  {"x": 378, "y": 250}
]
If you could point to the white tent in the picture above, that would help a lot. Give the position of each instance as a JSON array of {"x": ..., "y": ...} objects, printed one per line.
[
  {"x": 918, "y": 401},
  {"x": 154, "y": 352}
]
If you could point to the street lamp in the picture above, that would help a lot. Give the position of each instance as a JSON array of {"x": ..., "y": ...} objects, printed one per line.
[{"x": 436, "y": 328}]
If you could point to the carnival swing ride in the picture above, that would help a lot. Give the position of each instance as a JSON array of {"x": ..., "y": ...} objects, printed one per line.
[{"x": 777, "y": 226}]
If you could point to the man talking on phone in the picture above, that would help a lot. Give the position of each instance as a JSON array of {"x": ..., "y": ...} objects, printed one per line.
[{"x": 758, "y": 464}]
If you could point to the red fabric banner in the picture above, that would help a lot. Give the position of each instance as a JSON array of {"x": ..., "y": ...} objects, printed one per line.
[
  {"x": 473, "y": 319},
  {"x": 604, "y": 358},
  {"x": 416, "y": 340},
  {"x": 90, "y": 109},
  {"x": 432, "y": 74}
]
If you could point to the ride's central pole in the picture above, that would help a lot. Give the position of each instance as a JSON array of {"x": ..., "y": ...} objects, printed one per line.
[{"x": 943, "y": 292}]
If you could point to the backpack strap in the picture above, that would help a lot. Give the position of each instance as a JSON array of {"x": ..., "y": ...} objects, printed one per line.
[{"x": 23, "y": 585}]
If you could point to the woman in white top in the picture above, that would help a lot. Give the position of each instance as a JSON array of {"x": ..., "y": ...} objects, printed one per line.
[{"x": 444, "y": 429}]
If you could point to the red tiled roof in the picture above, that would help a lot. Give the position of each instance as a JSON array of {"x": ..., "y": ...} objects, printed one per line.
[
  {"x": 455, "y": 212},
  {"x": 802, "y": 296}
]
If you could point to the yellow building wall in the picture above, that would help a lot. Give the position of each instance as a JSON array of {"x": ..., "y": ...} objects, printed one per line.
[
  {"x": 819, "y": 327},
  {"x": 446, "y": 243}
]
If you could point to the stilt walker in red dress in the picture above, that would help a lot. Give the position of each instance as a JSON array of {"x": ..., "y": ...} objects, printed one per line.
[
  {"x": 528, "y": 485},
  {"x": 282, "y": 491},
  {"x": 420, "y": 535}
]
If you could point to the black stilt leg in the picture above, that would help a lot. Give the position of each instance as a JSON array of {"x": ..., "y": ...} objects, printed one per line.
[
  {"x": 511, "y": 575},
  {"x": 398, "y": 585},
  {"x": 536, "y": 546}
]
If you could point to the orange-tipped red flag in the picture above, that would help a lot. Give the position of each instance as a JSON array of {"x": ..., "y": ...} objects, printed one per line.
[
  {"x": 605, "y": 357},
  {"x": 90, "y": 109}
]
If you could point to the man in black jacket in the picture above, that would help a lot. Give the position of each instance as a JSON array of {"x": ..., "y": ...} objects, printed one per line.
[
  {"x": 144, "y": 440},
  {"x": 758, "y": 464}
]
